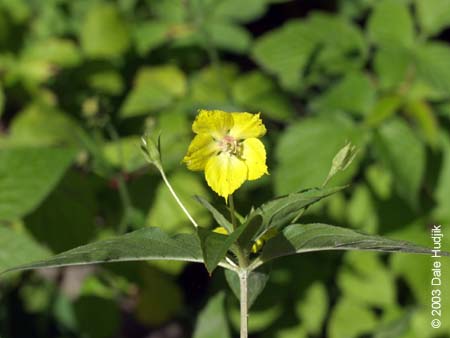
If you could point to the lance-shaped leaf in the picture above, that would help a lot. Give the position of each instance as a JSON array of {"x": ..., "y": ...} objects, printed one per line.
[
  {"x": 281, "y": 212},
  {"x": 215, "y": 246},
  {"x": 218, "y": 217},
  {"x": 140, "y": 245},
  {"x": 301, "y": 238}
]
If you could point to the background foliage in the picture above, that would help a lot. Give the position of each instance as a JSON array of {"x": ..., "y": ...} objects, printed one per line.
[{"x": 80, "y": 81}]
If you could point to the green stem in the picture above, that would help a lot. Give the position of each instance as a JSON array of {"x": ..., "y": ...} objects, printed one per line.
[
  {"x": 175, "y": 196},
  {"x": 243, "y": 275},
  {"x": 243, "y": 279}
]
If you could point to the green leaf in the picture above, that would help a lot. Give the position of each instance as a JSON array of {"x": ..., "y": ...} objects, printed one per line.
[
  {"x": 350, "y": 319},
  {"x": 218, "y": 217},
  {"x": 209, "y": 86},
  {"x": 391, "y": 23},
  {"x": 215, "y": 246},
  {"x": 55, "y": 52},
  {"x": 391, "y": 64},
  {"x": 91, "y": 312},
  {"x": 229, "y": 36},
  {"x": 301, "y": 238},
  {"x": 355, "y": 8},
  {"x": 442, "y": 190},
  {"x": 284, "y": 210},
  {"x": 365, "y": 271},
  {"x": 140, "y": 245},
  {"x": 150, "y": 35},
  {"x": 169, "y": 10},
  {"x": 106, "y": 81},
  {"x": 67, "y": 216},
  {"x": 239, "y": 11},
  {"x": 104, "y": 33},
  {"x": 404, "y": 154},
  {"x": 361, "y": 209},
  {"x": 41, "y": 125},
  {"x": 154, "y": 307},
  {"x": 27, "y": 175},
  {"x": 433, "y": 65},
  {"x": 124, "y": 153},
  {"x": 287, "y": 51},
  {"x": 17, "y": 247},
  {"x": 212, "y": 320},
  {"x": 305, "y": 150},
  {"x": 154, "y": 88},
  {"x": 354, "y": 93},
  {"x": 433, "y": 15},
  {"x": 312, "y": 308},
  {"x": 340, "y": 48},
  {"x": 384, "y": 108},
  {"x": 258, "y": 92},
  {"x": 423, "y": 114},
  {"x": 256, "y": 283}
]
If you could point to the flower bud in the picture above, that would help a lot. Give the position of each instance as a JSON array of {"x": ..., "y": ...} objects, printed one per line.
[
  {"x": 342, "y": 160},
  {"x": 151, "y": 150}
]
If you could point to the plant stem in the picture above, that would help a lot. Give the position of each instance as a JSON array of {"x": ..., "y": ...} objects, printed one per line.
[
  {"x": 243, "y": 277},
  {"x": 174, "y": 194}
]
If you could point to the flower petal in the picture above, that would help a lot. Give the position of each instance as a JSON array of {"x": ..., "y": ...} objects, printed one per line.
[
  {"x": 225, "y": 173},
  {"x": 200, "y": 151},
  {"x": 247, "y": 125},
  {"x": 216, "y": 123},
  {"x": 254, "y": 155}
]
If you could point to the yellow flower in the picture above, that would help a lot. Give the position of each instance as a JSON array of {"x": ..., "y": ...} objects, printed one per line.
[{"x": 227, "y": 148}]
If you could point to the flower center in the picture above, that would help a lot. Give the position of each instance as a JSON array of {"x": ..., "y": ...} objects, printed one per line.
[{"x": 230, "y": 145}]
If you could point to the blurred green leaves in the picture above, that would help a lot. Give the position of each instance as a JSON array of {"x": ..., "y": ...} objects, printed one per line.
[
  {"x": 212, "y": 321},
  {"x": 154, "y": 88},
  {"x": 374, "y": 73},
  {"x": 17, "y": 248},
  {"x": 404, "y": 154},
  {"x": 391, "y": 23},
  {"x": 27, "y": 175},
  {"x": 104, "y": 33},
  {"x": 298, "y": 148},
  {"x": 305, "y": 52}
]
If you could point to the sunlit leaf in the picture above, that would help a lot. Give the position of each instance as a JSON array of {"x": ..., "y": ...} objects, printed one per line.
[
  {"x": 305, "y": 150},
  {"x": 403, "y": 153},
  {"x": 391, "y": 23},
  {"x": 433, "y": 15},
  {"x": 104, "y": 32}
]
